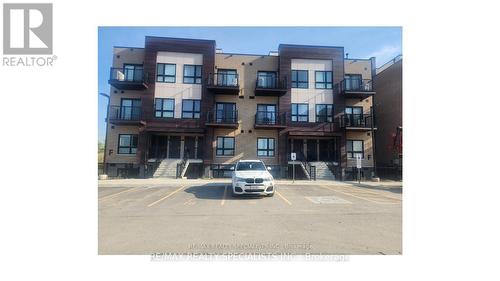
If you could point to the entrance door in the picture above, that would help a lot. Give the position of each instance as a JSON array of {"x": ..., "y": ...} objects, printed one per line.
[
  {"x": 312, "y": 150},
  {"x": 326, "y": 150},
  {"x": 298, "y": 148},
  {"x": 174, "y": 148},
  {"x": 189, "y": 147}
]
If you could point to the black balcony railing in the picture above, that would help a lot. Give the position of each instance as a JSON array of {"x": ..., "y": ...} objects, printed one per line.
[
  {"x": 357, "y": 121},
  {"x": 127, "y": 75},
  {"x": 125, "y": 113},
  {"x": 223, "y": 79},
  {"x": 270, "y": 82},
  {"x": 355, "y": 85},
  {"x": 222, "y": 117},
  {"x": 270, "y": 118}
]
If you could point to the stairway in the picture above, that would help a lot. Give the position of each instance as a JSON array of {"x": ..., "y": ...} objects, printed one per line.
[
  {"x": 322, "y": 171},
  {"x": 167, "y": 168}
]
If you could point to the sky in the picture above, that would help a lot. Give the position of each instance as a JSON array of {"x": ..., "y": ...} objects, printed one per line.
[{"x": 383, "y": 43}]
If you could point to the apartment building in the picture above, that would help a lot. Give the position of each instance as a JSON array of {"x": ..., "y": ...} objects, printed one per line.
[
  {"x": 182, "y": 108},
  {"x": 388, "y": 83}
]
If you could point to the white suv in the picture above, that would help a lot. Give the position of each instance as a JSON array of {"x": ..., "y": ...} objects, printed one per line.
[{"x": 252, "y": 177}]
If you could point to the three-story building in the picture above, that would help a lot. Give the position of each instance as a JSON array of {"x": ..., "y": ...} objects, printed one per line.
[{"x": 181, "y": 107}]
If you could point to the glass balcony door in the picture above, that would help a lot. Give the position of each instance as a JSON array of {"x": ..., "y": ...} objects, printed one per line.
[
  {"x": 225, "y": 113},
  {"x": 266, "y": 114},
  {"x": 132, "y": 72},
  {"x": 227, "y": 77},
  {"x": 266, "y": 79},
  {"x": 353, "y": 82},
  {"x": 130, "y": 109},
  {"x": 354, "y": 116}
]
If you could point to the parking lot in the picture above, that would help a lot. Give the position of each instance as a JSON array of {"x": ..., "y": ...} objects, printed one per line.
[{"x": 202, "y": 217}]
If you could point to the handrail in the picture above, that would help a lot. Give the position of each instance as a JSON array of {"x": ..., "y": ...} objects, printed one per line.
[
  {"x": 126, "y": 113},
  {"x": 356, "y": 120},
  {"x": 270, "y": 118},
  {"x": 354, "y": 84},
  {"x": 222, "y": 116},
  {"x": 128, "y": 75},
  {"x": 223, "y": 79}
]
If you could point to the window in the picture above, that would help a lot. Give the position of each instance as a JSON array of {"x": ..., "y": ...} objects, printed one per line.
[
  {"x": 355, "y": 147},
  {"x": 354, "y": 116},
  {"x": 165, "y": 72},
  {"x": 266, "y": 114},
  {"x": 353, "y": 81},
  {"x": 164, "y": 108},
  {"x": 191, "y": 109},
  {"x": 323, "y": 79},
  {"x": 130, "y": 109},
  {"x": 225, "y": 146},
  {"x": 265, "y": 147},
  {"x": 300, "y": 112},
  {"x": 133, "y": 72},
  {"x": 300, "y": 79},
  {"x": 192, "y": 74},
  {"x": 127, "y": 144},
  {"x": 227, "y": 77},
  {"x": 225, "y": 112},
  {"x": 266, "y": 79},
  {"x": 324, "y": 113}
]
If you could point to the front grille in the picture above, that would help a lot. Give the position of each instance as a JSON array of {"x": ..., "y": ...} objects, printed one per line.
[
  {"x": 254, "y": 190},
  {"x": 257, "y": 180}
]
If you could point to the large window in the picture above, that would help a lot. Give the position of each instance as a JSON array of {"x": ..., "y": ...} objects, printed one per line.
[
  {"x": 266, "y": 114},
  {"x": 323, "y": 79},
  {"x": 227, "y": 77},
  {"x": 267, "y": 79},
  {"x": 225, "y": 146},
  {"x": 265, "y": 147},
  {"x": 355, "y": 147},
  {"x": 133, "y": 72},
  {"x": 324, "y": 113},
  {"x": 165, "y": 72},
  {"x": 300, "y": 112},
  {"x": 164, "y": 108},
  {"x": 191, "y": 109},
  {"x": 225, "y": 112},
  {"x": 353, "y": 82},
  {"x": 192, "y": 74},
  {"x": 130, "y": 109},
  {"x": 354, "y": 115},
  {"x": 300, "y": 79},
  {"x": 127, "y": 144}
]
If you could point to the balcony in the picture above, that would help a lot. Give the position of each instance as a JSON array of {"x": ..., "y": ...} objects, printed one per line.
[
  {"x": 355, "y": 88},
  {"x": 269, "y": 120},
  {"x": 125, "y": 115},
  {"x": 128, "y": 79},
  {"x": 223, "y": 83},
  {"x": 270, "y": 85},
  {"x": 359, "y": 122},
  {"x": 222, "y": 119}
]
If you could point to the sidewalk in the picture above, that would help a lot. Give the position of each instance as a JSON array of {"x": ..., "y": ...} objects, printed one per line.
[{"x": 384, "y": 185}]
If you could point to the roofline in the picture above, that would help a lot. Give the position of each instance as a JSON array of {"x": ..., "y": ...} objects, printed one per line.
[
  {"x": 177, "y": 38},
  {"x": 128, "y": 47},
  {"x": 309, "y": 46},
  {"x": 243, "y": 54}
]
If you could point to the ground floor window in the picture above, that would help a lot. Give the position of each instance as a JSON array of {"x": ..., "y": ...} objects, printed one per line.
[
  {"x": 265, "y": 147},
  {"x": 225, "y": 146},
  {"x": 127, "y": 144},
  {"x": 355, "y": 147}
]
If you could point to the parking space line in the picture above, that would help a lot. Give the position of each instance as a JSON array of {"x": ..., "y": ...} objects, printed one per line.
[
  {"x": 376, "y": 193},
  {"x": 372, "y": 201},
  {"x": 165, "y": 197},
  {"x": 116, "y": 194},
  {"x": 283, "y": 197},
  {"x": 224, "y": 196}
]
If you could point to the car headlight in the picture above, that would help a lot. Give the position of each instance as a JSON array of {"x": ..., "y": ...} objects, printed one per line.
[{"x": 239, "y": 179}]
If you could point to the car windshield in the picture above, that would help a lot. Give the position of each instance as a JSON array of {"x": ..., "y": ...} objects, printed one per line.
[{"x": 250, "y": 166}]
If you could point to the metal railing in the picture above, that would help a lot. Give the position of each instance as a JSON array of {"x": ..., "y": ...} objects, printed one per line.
[
  {"x": 270, "y": 118},
  {"x": 355, "y": 85},
  {"x": 223, "y": 79},
  {"x": 270, "y": 82},
  {"x": 222, "y": 116},
  {"x": 125, "y": 113},
  {"x": 356, "y": 120},
  {"x": 128, "y": 75},
  {"x": 310, "y": 169}
]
